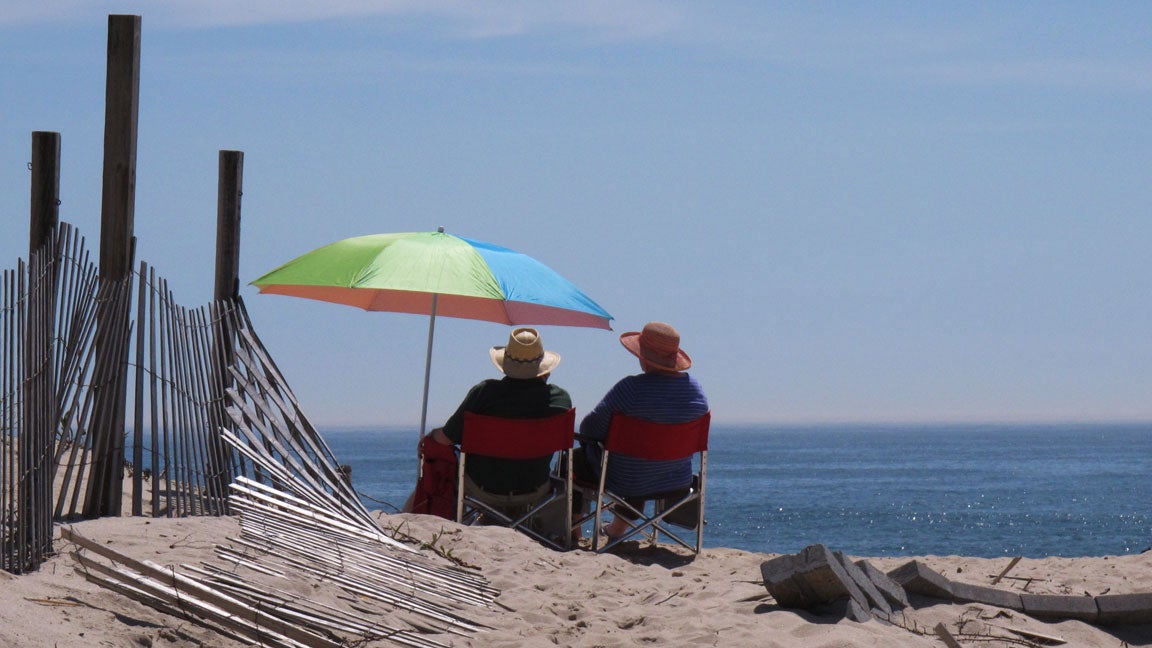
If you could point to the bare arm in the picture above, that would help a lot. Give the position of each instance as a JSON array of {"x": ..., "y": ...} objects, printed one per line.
[{"x": 439, "y": 437}]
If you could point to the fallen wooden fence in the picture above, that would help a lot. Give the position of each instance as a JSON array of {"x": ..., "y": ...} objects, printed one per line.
[
  {"x": 299, "y": 519},
  {"x": 289, "y": 531}
]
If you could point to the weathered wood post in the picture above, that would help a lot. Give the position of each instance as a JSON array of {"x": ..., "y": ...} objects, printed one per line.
[
  {"x": 122, "y": 102},
  {"x": 40, "y": 410},
  {"x": 229, "y": 193},
  {"x": 45, "y": 188},
  {"x": 230, "y": 189}
]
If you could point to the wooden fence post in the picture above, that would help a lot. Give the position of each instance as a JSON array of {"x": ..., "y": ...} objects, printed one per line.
[
  {"x": 227, "y": 292},
  {"x": 230, "y": 190},
  {"x": 122, "y": 101},
  {"x": 45, "y": 188},
  {"x": 41, "y": 411}
]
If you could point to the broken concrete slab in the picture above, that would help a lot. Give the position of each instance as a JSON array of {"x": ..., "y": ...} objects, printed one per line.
[
  {"x": 812, "y": 577},
  {"x": 1125, "y": 609},
  {"x": 876, "y": 599},
  {"x": 1055, "y": 607},
  {"x": 916, "y": 577},
  {"x": 897, "y": 597},
  {"x": 968, "y": 593},
  {"x": 846, "y": 608}
]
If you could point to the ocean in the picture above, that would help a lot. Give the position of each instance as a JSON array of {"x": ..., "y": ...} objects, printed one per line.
[{"x": 883, "y": 490}]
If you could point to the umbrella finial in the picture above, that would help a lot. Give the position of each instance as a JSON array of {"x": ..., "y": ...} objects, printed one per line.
[{"x": 440, "y": 229}]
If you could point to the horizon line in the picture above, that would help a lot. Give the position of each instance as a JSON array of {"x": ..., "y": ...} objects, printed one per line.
[{"x": 844, "y": 423}]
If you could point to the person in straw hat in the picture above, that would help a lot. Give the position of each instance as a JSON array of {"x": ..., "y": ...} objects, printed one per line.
[
  {"x": 664, "y": 393},
  {"x": 524, "y": 392}
]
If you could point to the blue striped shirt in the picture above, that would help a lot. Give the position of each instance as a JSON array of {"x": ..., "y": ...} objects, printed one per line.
[{"x": 663, "y": 398}]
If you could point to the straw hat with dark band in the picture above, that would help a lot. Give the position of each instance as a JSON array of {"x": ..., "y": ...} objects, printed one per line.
[
  {"x": 524, "y": 357},
  {"x": 659, "y": 345}
]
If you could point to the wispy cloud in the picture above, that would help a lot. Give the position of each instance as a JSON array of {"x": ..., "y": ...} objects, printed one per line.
[
  {"x": 465, "y": 18},
  {"x": 976, "y": 49},
  {"x": 1058, "y": 72},
  {"x": 965, "y": 47}
]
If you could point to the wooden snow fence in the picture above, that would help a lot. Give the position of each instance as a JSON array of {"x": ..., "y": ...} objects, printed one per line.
[
  {"x": 300, "y": 521},
  {"x": 360, "y": 587},
  {"x": 270, "y": 429}
]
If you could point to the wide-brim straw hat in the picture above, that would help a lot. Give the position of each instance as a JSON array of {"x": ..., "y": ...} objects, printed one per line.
[
  {"x": 524, "y": 356},
  {"x": 659, "y": 345}
]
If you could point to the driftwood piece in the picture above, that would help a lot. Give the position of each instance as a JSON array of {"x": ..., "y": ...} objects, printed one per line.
[
  {"x": 945, "y": 636},
  {"x": 1031, "y": 635},
  {"x": 1007, "y": 569}
]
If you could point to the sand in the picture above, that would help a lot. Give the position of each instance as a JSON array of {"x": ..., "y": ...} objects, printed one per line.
[{"x": 637, "y": 597}]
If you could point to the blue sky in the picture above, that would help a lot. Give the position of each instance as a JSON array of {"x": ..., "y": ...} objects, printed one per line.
[{"x": 921, "y": 211}]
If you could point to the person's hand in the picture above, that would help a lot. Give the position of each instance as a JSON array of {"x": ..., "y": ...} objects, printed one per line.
[{"x": 432, "y": 436}]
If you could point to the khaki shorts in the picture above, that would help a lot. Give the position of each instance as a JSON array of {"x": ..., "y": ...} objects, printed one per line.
[{"x": 549, "y": 521}]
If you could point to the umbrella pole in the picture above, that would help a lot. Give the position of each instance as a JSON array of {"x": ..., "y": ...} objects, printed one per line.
[{"x": 428, "y": 366}]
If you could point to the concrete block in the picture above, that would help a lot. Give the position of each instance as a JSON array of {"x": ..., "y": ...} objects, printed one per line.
[
  {"x": 966, "y": 593},
  {"x": 845, "y": 608},
  {"x": 778, "y": 579},
  {"x": 897, "y": 597},
  {"x": 810, "y": 578},
  {"x": 914, "y": 576},
  {"x": 1058, "y": 608},
  {"x": 875, "y": 598},
  {"x": 1125, "y": 609},
  {"x": 825, "y": 576}
]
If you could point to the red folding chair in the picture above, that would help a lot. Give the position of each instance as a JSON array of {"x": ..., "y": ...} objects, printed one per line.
[
  {"x": 506, "y": 438},
  {"x": 642, "y": 439}
]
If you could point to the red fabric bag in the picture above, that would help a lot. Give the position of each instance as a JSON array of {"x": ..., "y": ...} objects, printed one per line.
[{"x": 436, "y": 486}]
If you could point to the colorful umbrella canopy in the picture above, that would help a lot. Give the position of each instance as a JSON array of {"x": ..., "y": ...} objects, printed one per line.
[{"x": 434, "y": 273}]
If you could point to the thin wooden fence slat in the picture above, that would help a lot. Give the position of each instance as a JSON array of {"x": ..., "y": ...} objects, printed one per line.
[
  {"x": 167, "y": 403},
  {"x": 180, "y": 479},
  {"x": 154, "y": 428},
  {"x": 304, "y": 439},
  {"x": 196, "y": 352},
  {"x": 138, "y": 403},
  {"x": 190, "y": 590},
  {"x": 8, "y": 459},
  {"x": 21, "y": 450},
  {"x": 181, "y": 604},
  {"x": 202, "y": 358},
  {"x": 193, "y": 489}
]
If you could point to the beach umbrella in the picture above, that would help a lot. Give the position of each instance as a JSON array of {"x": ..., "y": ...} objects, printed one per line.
[{"x": 436, "y": 274}]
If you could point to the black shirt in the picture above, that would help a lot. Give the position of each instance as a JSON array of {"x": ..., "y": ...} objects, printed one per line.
[{"x": 508, "y": 398}]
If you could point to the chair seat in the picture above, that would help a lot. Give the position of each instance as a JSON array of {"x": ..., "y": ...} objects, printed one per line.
[
  {"x": 682, "y": 507},
  {"x": 522, "y": 440}
]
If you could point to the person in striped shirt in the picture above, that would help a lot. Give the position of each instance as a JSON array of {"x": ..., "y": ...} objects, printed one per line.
[{"x": 663, "y": 393}]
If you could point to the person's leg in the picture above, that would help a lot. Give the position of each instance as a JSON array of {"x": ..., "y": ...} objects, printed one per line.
[
  {"x": 512, "y": 506},
  {"x": 622, "y": 518},
  {"x": 584, "y": 472}
]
